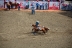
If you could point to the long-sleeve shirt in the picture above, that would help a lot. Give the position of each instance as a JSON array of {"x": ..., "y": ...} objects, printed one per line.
[{"x": 32, "y": 8}]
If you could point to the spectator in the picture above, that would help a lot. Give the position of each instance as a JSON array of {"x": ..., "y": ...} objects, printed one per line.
[
  {"x": 18, "y": 6},
  {"x": 46, "y": 6},
  {"x": 37, "y": 5},
  {"x": 27, "y": 5},
  {"x": 42, "y": 6},
  {"x": 8, "y": 5}
]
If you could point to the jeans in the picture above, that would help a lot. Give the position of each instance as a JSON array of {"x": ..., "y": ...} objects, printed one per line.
[
  {"x": 33, "y": 11},
  {"x": 18, "y": 7},
  {"x": 64, "y": 7}
]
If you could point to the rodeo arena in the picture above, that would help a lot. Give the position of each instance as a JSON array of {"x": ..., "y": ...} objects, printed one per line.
[{"x": 35, "y": 23}]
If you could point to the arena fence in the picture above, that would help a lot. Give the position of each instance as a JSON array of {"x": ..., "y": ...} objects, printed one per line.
[{"x": 40, "y": 4}]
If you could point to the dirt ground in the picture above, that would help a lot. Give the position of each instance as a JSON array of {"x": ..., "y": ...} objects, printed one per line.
[{"x": 15, "y": 29}]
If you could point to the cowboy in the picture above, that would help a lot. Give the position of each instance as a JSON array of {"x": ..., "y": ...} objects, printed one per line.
[
  {"x": 38, "y": 26},
  {"x": 33, "y": 9}
]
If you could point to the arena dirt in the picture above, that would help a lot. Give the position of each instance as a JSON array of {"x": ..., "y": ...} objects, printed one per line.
[{"x": 15, "y": 29}]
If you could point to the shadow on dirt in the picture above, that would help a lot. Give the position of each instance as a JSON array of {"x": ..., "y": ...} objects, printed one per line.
[
  {"x": 66, "y": 13},
  {"x": 30, "y": 14},
  {"x": 2, "y": 40},
  {"x": 69, "y": 32},
  {"x": 34, "y": 33}
]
